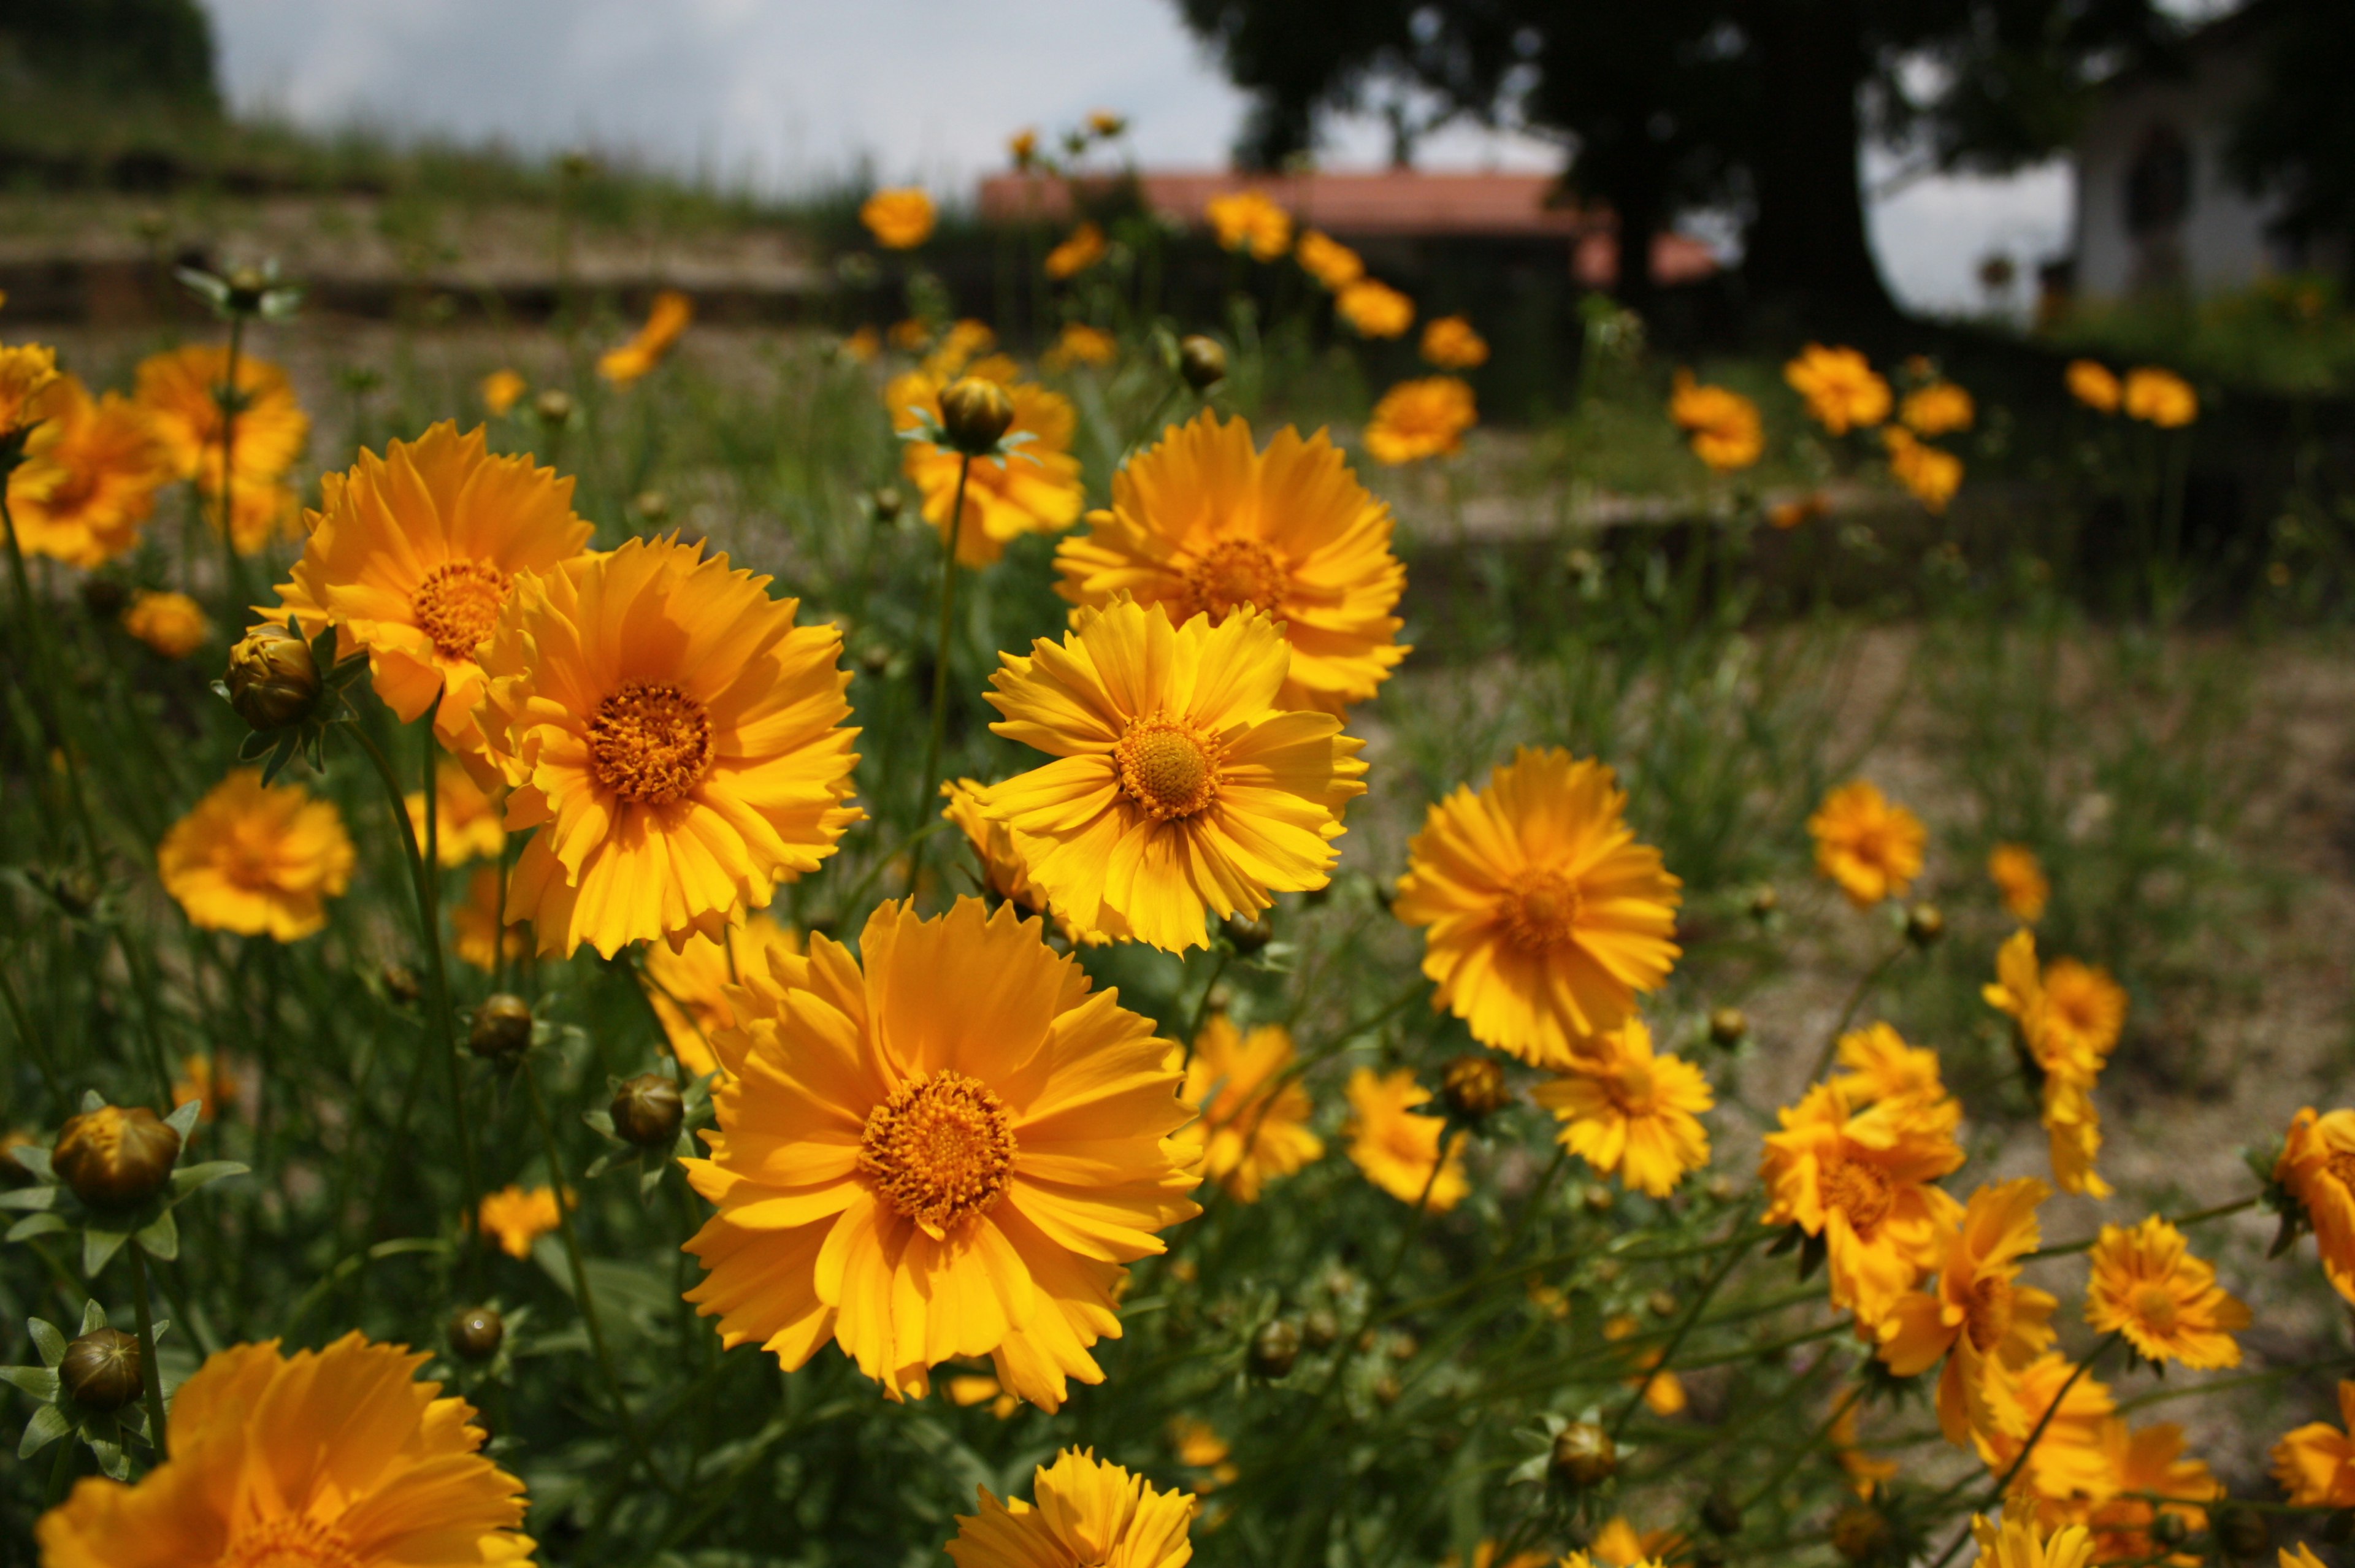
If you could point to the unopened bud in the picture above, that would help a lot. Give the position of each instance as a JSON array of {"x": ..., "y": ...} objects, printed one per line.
[
  {"x": 1860, "y": 1533},
  {"x": 1925, "y": 924},
  {"x": 272, "y": 679},
  {"x": 651, "y": 504},
  {"x": 1386, "y": 1389},
  {"x": 1722, "y": 1187},
  {"x": 974, "y": 412},
  {"x": 1274, "y": 1349},
  {"x": 115, "y": 1158},
  {"x": 554, "y": 406},
  {"x": 501, "y": 1026},
  {"x": 102, "y": 1369},
  {"x": 1764, "y": 902},
  {"x": 2242, "y": 1533},
  {"x": 401, "y": 983},
  {"x": 1660, "y": 1304},
  {"x": 1202, "y": 361},
  {"x": 1584, "y": 1455},
  {"x": 246, "y": 287},
  {"x": 1598, "y": 1200},
  {"x": 1247, "y": 936},
  {"x": 887, "y": 503},
  {"x": 2169, "y": 1530},
  {"x": 1728, "y": 1026},
  {"x": 1319, "y": 1330},
  {"x": 476, "y": 1332},
  {"x": 1474, "y": 1086},
  {"x": 647, "y": 1110}
]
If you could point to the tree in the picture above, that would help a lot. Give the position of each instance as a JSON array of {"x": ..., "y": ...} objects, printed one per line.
[
  {"x": 156, "y": 49},
  {"x": 2296, "y": 135}
]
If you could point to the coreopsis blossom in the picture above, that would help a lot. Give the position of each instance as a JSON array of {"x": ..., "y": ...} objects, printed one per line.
[
  {"x": 677, "y": 740},
  {"x": 2070, "y": 1016},
  {"x": 2147, "y": 1478},
  {"x": 1034, "y": 489},
  {"x": 2095, "y": 385},
  {"x": 172, "y": 623},
  {"x": 1929, "y": 474},
  {"x": 911, "y": 334},
  {"x": 411, "y": 556},
  {"x": 1785, "y": 516},
  {"x": 1979, "y": 1318},
  {"x": 862, "y": 345},
  {"x": 1180, "y": 788},
  {"x": 1374, "y": 309},
  {"x": 516, "y": 1217},
  {"x": 1877, "y": 1065},
  {"x": 1940, "y": 408},
  {"x": 1326, "y": 259},
  {"x": 1002, "y": 869},
  {"x": 91, "y": 468},
  {"x": 1081, "y": 249},
  {"x": 1087, "y": 1512},
  {"x": 1663, "y": 1392},
  {"x": 258, "y": 860},
  {"x": 2159, "y": 396},
  {"x": 180, "y": 390},
  {"x": 1254, "y": 1112},
  {"x": 1867, "y": 844},
  {"x": 900, "y": 219},
  {"x": 689, "y": 988},
  {"x": 1080, "y": 344},
  {"x": 502, "y": 390},
  {"x": 1425, "y": 417},
  {"x": 1865, "y": 1474},
  {"x": 1105, "y": 124},
  {"x": 666, "y": 321},
  {"x": 1398, "y": 1151},
  {"x": 946, "y": 1147},
  {"x": 1198, "y": 1447},
  {"x": 1627, "y": 1112},
  {"x": 483, "y": 939},
  {"x": 1843, "y": 391},
  {"x": 260, "y": 514},
  {"x": 2146, "y": 1286},
  {"x": 2316, "y": 1463},
  {"x": 2019, "y": 876},
  {"x": 1727, "y": 433},
  {"x": 337, "y": 1457},
  {"x": 26, "y": 370},
  {"x": 1862, "y": 1182},
  {"x": 208, "y": 1082},
  {"x": 1202, "y": 523},
  {"x": 1545, "y": 919},
  {"x": 2019, "y": 1544},
  {"x": 466, "y": 825},
  {"x": 966, "y": 340},
  {"x": 1451, "y": 343},
  {"x": 1023, "y": 148},
  {"x": 2317, "y": 1167},
  {"x": 1248, "y": 221},
  {"x": 2071, "y": 1460}
]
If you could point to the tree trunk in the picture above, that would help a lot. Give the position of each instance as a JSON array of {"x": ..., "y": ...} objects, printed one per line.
[{"x": 1806, "y": 245}]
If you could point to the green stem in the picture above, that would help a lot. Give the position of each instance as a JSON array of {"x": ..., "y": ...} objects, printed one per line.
[
  {"x": 37, "y": 1044},
  {"x": 2196, "y": 1217},
  {"x": 227, "y": 398},
  {"x": 1202, "y": 1002},
  {"x": 2003, "y": 1482},
  {"x": 43, "y": 688},
  {"x": 1864, "y": 984},
  {"x": 931, "y": 777},
  {"x": 1692, "y": 1316},
  {"x": 150, "y": 1371},
  {"x": 61, "y": 1468},
  {"x": 1791, "y": 1464}
]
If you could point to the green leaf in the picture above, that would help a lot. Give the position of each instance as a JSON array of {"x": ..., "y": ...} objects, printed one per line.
[
  {"x": 49, "y": 1424},
  {"x": 191, "y": 1179},
  {"x": 93, "y": 1316},
  {"x": 98, "y": 1247},
  {"x": 36, "y": 1197},
  {"x": 46, "y": 1339},
  {"x": 160, "y": 1237},
  {"x": 92, "y": 1100},
  {"x": 112, "y": 1461},
  {"x": 37, "y": 1225},
  {"x": 260, "y": 741},
  {"x": 41, "y": 1383},
  {"x": 183, "y": 1119},
  {"x": 36, "y": 1160}
]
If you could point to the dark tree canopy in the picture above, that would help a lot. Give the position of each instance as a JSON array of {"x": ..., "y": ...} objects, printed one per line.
[
  {"x": 144, "y": 48},
  {"x": 2296, "y": 132}
]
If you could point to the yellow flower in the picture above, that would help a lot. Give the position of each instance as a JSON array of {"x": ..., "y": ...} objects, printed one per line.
[
  {"x": 676, "y": 739},
  {"x": 1002, "y": 871},
  {"x": 1862, "y": 1180},
  {"x": 2143, "y": 1465},
  {"x": 2070, "y": 1014},
  {"x": 1248, "y": 221},
  {"x": 960, "y": 345},
  {"x": 1789, "y": 515},
  {"x": 25, "y": 371},
  {"x": 1036, "y": 489},
  {"x": 1202, "y": 524},
  {"x": 1726, "y": 430},
  {"x": 1398, "y": 1151},
  {"x": 482, "y": 941},
  {"x": 208, "y": 1082},
  {"x": 1082, "y": 249},
  {"x": 1881, "y": 1066},
  {"x": 335, "y": 1456},
  {"x": 1374, "y": 309},
  {"x": 2018, "y": 876},
  {"x": 2299, "y": 1556},
  {"x": 502, "y": 390},
  {"x": 1930, "y": 476},
  {"x": 1087, "y": 1512},
  {"x": 1939, "y": 409},
  {"x": 689, "y": 988},
  {"x": 172, "y": 623},
  {"x": 2019, "y": 1544},
  {"x": 89, "y": 475},
  {"x": 1199, "y": 1447},
  {"x": 1104, "y": 122},
  {"x": 950, "y": 1151},
  {"x": 862, "y": 345},
  {"x": 517, "y": 1216},
  {"x": 1986, "y": 1325},
  {"x": 2317, "y": 1167},
  {"x": 2073, "y": 1459},
  {"x": 2095, "y": 385},
  {"x": 911, "y": 335},
  {"x": 469, "y": 826},
  {"x": 2315, "y": 1464},
  {"x": 2161, "y": 397},
  {"x": 1842, "y": 389},
  {"x": 1662, "y": 1393},
  {"x": 1254, "y": 1110},
  {"x": 1423, "y": 418},
  {"x": 1545, "y": 917},
  {"x": 1627, "y": 1112},
  {"x": 2146, "y": 1286},
  {"x": 1865, "y": 1472},
  {"x": 180, "y": 390},
  {"x": 412, "y": 554},
  {"x": 1868, "y": 845},
  {"x": 1022, "y": 147},
  {"x": 901, "y": 219},
  {"x": 257, "y": 861},
  {"x": 1081, "y": 343},
  {"x": 1451, "y": 343},
  {"x": 1618, "y": 1544},
  {"x": 970, "y": 1388},
  {"x": 1329, "y": 262},
  {"x": 667, "y": 320},
  {"x": 1180, "y": 786}
]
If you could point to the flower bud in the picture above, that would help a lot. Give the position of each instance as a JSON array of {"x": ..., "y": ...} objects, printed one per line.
[
  {"x": 1660, "y": 1304},
  {"x": 1925, "y": 925},
  {"x": 554, "y": 406},
  {"x": 1386, "y": 1389},
  {"x": 476, "y": 1332},
  {"x": 1764, "y": 902},
  {"x": 1860, "y": 1533},
  {"x": 102, "y": 1369},
  {"x": 116, "y": 1159},
  {"x": 2169, "y": 1530},
  {"x": 272, "y": 681},
  {"x": 887, "y": 502},
  {"x": 401, "y": 983},
  {"x": 1319, "y": 1329},
  {"x": 1584, "y": 1455},
  {"x": 1598, "y": 1200},
  {"x": 975, "y": 412},
  {"x": 1474, "y": 1086},
  {"x": 651, "y": 504},
  {"x": 1728, "y": 1026},
  {"x": 1202, "y": 361},
  {"x": 1247, "y": 936},
  {"x": 247, "y": 285},
  {"x": 14, "y": 1172},
  {"x": 1722, "y": 1187},
  {"x": 2242, "y": 1533},
  {"x": 1274, "y": 1349},
  {"x": 501, "y": 1026},
  {"x": 647, "y": 1110}
]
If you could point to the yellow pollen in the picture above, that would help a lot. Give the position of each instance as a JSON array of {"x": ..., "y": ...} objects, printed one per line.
[
  {"x": 1859, "y": 1190},
  {"x": 939, "y": 1150},
  {"x": 289, "y": 1542},
  {"x": 1231, "y": 574},
  {"x": 2157, "y": 1307},
  {"x": 650, "y": 743},
  {"x": 459, "y": 603},
  {"x": 1539, "y": 909},
  {"x": 1989, "y": 1321},
  {"x": 1167, "y": 768}
]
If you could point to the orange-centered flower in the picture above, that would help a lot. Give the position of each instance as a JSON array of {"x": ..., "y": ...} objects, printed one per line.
[
  {"x": 1254, "y": 1112},
  {"x": 900, "y": 219},
  {"x": 1627, "y": 1112},
  {"x": 1034, "y": 489},
  {"x": 1862, "y": 1182},
  {"x": 89, "y": 475},
  {"x": 1980, "y": 1318},
  {"x": 1451, "y": 343},
  {"x": 2317, "y": 1167},
  {"x": 1867, "y": 844},
  {"x": 2146, "y": 1286}
]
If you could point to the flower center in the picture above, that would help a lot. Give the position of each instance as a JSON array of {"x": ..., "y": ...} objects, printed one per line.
[
  {"x": 650, "y": 743},
  {"x": 1859, "y": 1190},
  {"x": 939, "y": 1150},
  {"x": 1989, "y": 1320},
  {"x": 2340, "y": 1164},
  {"x": 1634, "y": 1088},
  {"x": 1232, "y": 573},
  {"x": 289, "y": 1542},
  {"x": 2157, "y": 1307},
  {"x": 459, "y": 603},
  {"x": 1169, "y": 768},
  {"x": 1539, "y": 909}
]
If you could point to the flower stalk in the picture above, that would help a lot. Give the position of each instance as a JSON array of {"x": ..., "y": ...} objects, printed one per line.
[{"x": 930, "y": 778}]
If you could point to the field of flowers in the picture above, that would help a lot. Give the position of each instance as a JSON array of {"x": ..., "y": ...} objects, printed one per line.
[{"x": 873, "y": 943}]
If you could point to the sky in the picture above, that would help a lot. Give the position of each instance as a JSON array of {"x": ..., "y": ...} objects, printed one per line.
[{"x": 786, "y": 94}]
